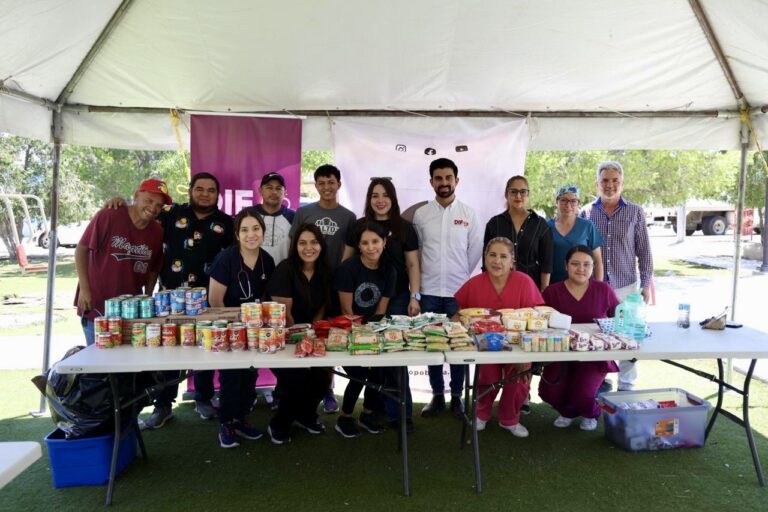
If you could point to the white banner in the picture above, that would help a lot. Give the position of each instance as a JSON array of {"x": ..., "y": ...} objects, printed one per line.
[{"x": 486, "y": 157}]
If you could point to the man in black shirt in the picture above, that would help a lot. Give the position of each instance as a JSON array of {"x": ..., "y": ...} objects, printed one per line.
[{"x": 194, "y": 234}]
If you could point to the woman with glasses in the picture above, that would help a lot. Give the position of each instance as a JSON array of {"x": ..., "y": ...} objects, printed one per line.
[
  {"x": 500, "y": 287},
  {"x": 570, "y": 230},
  {"x": 302, "y": 282},
  {"x": 571, "y": 387},
  {"x": 529, "y": 233},
  {"x": 401, "y": 252},
  {"x": 239, "y": 274},
  {"x": 365, "y": 283}
]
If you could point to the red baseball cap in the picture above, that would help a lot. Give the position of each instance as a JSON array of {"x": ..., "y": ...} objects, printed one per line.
[{"x": 156, "y": 187}]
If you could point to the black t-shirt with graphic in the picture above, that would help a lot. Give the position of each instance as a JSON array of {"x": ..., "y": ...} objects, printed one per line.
[
  {"x": 190, "y": 244},
  {"x": 366, "y": 285}
]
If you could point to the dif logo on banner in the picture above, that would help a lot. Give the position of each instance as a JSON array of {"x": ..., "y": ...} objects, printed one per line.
[{"x": 239, "y": 150}]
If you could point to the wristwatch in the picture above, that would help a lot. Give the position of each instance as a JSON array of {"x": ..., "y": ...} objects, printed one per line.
[{"x": 416, "y": 296}]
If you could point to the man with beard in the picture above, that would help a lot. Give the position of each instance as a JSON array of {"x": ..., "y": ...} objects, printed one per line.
[
  {"x": 451, "y": 243},
  {"x": 194, "y": 233},
  {"x": 277, "y": 216}
]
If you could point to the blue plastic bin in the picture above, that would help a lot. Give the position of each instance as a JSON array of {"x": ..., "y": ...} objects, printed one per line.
[
  {"x": 683, "y": 426},
  {"x": 86, "y": 461}
]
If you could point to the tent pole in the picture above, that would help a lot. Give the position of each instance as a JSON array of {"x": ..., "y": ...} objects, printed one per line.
[
  {"x": 737, "y": 232},
  {"x": 52, "y": 244}
]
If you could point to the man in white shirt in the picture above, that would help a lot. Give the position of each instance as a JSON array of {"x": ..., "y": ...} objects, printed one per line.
[
  {"x": 277, "y": 216},
  {"x": 451, "y": 243}
]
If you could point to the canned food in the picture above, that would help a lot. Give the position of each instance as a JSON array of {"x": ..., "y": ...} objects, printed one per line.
[
  {"x": 154, "y": 335},
  {"x": 104, "y": 340},
  {"x": 112, "y": 307},
  {"x": 162, "y": 303},
  {"x": 237, "y": 336},
  {"x": 187, "y": 335},
  {"x": 252, "y": 334},
  {"x": 526, "y": 342},
  {"x": 139, "y": 335},
  {"x": 220, "y": 341},
  {"x": 268, "y": 342},
  {"x": 250, "y": 312},
  {"x": 199, "y": 330},
  {"x": 116, "y": 329},
  {"x": 274, "y": 316},
  {"x": 206, "y": 337},
  {"x": 100, "y": 324},
  {"x": 129, "y": 309},
  {"x": 170, "y": 334}
]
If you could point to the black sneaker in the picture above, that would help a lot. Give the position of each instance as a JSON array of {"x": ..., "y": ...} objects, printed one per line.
[
  {"x": 409, "y": 426},
  {"x": 435, "y": 405},
  {"x": 457, "y": 406},
  {"x": 605, "y": 387},
  {"x": 525, "y": 409},
  {"x": 369, "y": 422},
  {"x": 313, "y": 427},
  {"x": 277, "y": 436},
  {"x": 346, "y": 427}
]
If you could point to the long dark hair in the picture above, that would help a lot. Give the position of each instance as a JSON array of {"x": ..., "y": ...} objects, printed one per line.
[
  {"x": 322, "y": 268},
  {"x": 396, "y": 221}
]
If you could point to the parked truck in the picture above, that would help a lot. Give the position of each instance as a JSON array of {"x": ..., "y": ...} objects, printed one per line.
[{"x": 711, "y": 217}]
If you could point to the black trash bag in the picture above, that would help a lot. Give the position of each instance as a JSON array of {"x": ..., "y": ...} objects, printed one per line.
[{"x": 81, "y": 405}]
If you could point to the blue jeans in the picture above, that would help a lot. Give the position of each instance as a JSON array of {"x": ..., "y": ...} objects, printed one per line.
[
  {"x": 448, "y": 306},
  {"x": 398, "y": 305},
  {"x": 89, "y": 332}
]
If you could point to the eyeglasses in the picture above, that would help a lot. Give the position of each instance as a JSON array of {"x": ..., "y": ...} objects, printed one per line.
[
  {"x": 518, "y": 191},
  {"x": 572, "y": 202}
]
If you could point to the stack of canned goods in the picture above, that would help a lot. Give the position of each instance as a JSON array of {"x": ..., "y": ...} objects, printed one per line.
[
  {"x": 112, "y": 307},
  {"x": 251, "y": 313},
  {"x": 273, "y": 314},
  {"x": 146, "y": 307},
  {"x": 129, "y": 309},
  {"x": 178, "y": 300},
  {"x": 163, "y": 303},
  {"x": 196, "y": 300}
]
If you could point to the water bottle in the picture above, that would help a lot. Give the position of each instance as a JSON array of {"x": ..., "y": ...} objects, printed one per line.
[
  {"x": 684, "y": 315},
  {"x": 630, "y": 317}
]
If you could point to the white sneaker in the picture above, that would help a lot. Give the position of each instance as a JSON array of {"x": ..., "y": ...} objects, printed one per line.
[
  {"x": 481, "y": 424},
  {"x": 563, "y": 422},
  {"x": 517, "y": 429},
  {"x": 588, "y": 424}
]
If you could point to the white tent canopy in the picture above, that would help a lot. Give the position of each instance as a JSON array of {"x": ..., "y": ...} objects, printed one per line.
[{"x": 603, "y": 74}]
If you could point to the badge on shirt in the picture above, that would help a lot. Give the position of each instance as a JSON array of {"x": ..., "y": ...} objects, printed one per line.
[
  {"x": 217, "y": 228},
  {"x": 189, "y": 243},
  {"x": 177, "y": 266},
  {"x": 197, "y": 235},
  {"x": 191, "y": 278},
  {"x": 461, "y": 222},
  {"x": 182, "y": 223}
]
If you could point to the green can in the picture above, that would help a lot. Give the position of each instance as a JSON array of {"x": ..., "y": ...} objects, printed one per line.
[
  {"x": 146, "y": 307},
  {"x": 130, "y": 309},
  {"x": 112, "y": 307}
]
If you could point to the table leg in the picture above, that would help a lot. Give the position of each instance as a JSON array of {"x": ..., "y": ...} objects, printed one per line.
[
  {"x": 468, "y": 409},
  {"x": 403, "y": 430},
  {"x": 719, "y": 404},
  {"x": 116, "y": 444},
  {"x": 475, "y": 437},
  {"x": 748, "y": 428}
]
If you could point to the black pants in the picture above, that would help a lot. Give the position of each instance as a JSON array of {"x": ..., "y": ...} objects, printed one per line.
[
  {"x": 236, "y": 393},
  {"x": 301, "y": 389},
  {"x": 203, "y": 387},
  {"x": 372, "y": 399}
]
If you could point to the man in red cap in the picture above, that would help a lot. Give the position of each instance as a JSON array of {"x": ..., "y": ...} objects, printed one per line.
[{"x": 120, "y": 252}]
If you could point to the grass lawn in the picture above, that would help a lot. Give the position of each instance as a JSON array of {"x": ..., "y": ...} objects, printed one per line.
[
  {"x": 23, "y": 309},
  {"x": 665, "y": 267},
  {"x": 553, "y": 470}
]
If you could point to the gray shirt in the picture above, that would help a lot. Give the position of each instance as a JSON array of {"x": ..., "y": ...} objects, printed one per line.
[{"x": 334, "y": 224}]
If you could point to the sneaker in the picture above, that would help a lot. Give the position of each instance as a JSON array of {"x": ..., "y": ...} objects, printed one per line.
[
  {"x": 563, "y": 422},
  {"x": 278, "y": 437},
  {"x": 205, "y": 409},
  {"x": 227, "y": 437},
  {"x": 330, "y": 404},
  {"x": 481, "y": 424},
  {"x": 158, "y": 418},
  {"x": 626, "y": 387},
  {"x": 313, "y": 427},
  {"x": 435, "y": 405},
  {"x": 346, "y": 427},
  {"x": 369, "y": 422},
  {"x": 517, "y": 429},
  {"x": 410, "y": 428},
  {"x": 526, "y": 408},
  {"x": 588, "y": 424},
  {"x": 246, "y": 431},
  {"x": 457, "y": 406}
]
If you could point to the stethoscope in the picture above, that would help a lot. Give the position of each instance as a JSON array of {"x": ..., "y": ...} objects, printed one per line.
[{"x": 247, "y": 296}]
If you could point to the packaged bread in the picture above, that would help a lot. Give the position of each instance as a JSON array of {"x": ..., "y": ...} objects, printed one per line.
[
  {"x": 512, "y": 323},
  {"x": 537, "y": 323},
  {"x": 544, "y": 310},
  {"x": 455, "y": 330},
  {"x": 525, "y": 313}
]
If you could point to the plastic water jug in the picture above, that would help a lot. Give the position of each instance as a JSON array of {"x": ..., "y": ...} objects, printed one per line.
[{"x": 630, "y": 317}]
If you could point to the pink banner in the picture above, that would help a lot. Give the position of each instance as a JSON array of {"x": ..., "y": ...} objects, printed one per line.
[{"x": 239, "y": 150}]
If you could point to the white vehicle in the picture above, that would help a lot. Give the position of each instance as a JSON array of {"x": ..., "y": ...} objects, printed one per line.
[
  {"x": 67, "y": 236},
  {"x": 711, "y": 217}
]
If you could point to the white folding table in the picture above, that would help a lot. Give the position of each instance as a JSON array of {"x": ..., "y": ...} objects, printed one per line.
[
  {"x": 667, "y": 343},
  {"x": 15, "y": 457},
  {"x": 128, "y": 359}
]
